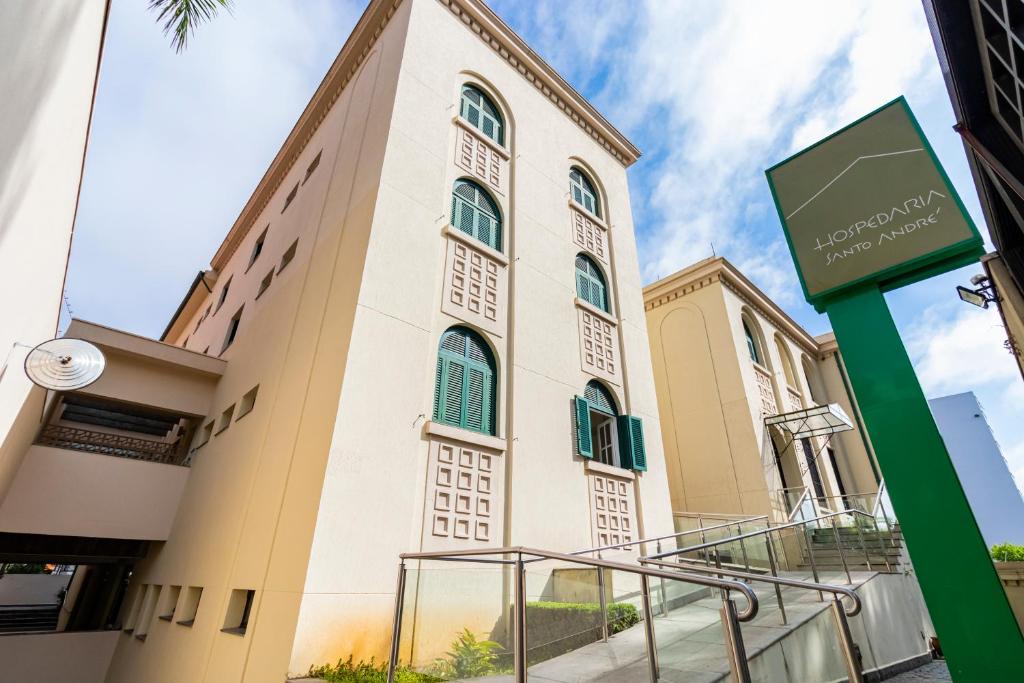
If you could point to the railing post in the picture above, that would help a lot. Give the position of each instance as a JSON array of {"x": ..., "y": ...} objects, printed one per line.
[
  {"x": 661, "y": 587},
  {"x": 775, "y": 572},
  {"x": 703, "y": 540},
  {"x": 810, "y": 557},
  {"x": 396, "y": 627},
  {"x": 519, "y": 621},
  {"x": 842, "y": 555},
  {"x": 881, "y": 544},
  {"x": 603, "y": 600},
  {"x": 846, "y": 642},
  {"x": 652, "y": 648},
  {"x": 863, "y": 545},
  {"x": 743, "y": 548},
  {"x": 734, "y": 642}
]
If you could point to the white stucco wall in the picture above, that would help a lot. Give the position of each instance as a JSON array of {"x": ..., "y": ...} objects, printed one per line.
[{"x": 51, "y": 53}]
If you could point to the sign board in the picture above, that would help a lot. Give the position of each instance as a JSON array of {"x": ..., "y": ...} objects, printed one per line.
[{"x": 870, "y": 203}]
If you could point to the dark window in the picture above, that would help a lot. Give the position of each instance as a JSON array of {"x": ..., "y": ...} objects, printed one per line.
[
  {"x": 223, "y": 294},
  {"x": 312, "y": 166},
  {"x": 236, "y": 319},
  {"x": 257, "y": 248},
  {"x": 287, "y": 257},
  {"x": 290, "y": 198}
]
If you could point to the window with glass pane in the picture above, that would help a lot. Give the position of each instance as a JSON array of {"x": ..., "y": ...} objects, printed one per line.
[
  {"x": 481, "y": 113},
  {"x": 751, "y": 343},
  {"x": 590, "y": 284},
  {"x": 466, "y": 387},
  {"x": 475, "y": 213},
  {"x": 583, "y": 192}
]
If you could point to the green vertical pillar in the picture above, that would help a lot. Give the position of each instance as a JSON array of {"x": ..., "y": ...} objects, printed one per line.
[{"x": 978, "y": 631}]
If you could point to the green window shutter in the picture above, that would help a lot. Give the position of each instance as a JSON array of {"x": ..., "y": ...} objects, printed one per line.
[
  {"x": 481, "y": 113},
  {"x": 464, "y": 394},
  {"x": 632, "y": 452},
  {"x": 583, "y": 191},
  {"x": 583, "y": 443},
  {"x": 590, "y": 285},
  {"x": 636, "y": 429},
  {"x": 475, "y": 213}
]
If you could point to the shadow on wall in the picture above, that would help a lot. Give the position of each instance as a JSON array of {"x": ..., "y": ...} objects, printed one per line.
[{"x": 28, "y": 83}]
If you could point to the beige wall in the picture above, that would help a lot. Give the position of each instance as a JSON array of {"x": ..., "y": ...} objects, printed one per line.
[
  {"x": 70, "y": 493},
  {"x": 31, "y": 657},
  {"x": 51, "y": 53},
  {"x": 309, "y": 499},
  {"x": 713, "y": 398}
]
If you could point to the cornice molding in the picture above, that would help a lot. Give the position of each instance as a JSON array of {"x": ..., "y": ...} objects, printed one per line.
[
  {"x": 704, "y": 273},
  {"x": 494, "y": 32}
]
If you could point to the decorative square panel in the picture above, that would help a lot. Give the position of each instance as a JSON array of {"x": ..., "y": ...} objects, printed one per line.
[
  {"x": 474, "y": 286},
  {"x": 589, "y": 235},
  {"x": 610, "y": 509},
  {"x": 767, "y": 392},
  {"x": 599, "y": 346},
  {"x": 465, "y": 506},
  {"x": 474, "y": 155}
]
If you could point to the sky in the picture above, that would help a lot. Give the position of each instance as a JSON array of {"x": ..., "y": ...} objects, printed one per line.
[{"x": 712, "y": 92}]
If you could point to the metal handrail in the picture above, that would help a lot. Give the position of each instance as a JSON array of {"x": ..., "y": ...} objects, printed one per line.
[
  {"x": 752, "y": 534},
  {"x": 729, "y": 614},
  {"x": 838, "y": 591},
  {"x": 680, "y": 534},
  {"x": 746, "y": 614}
]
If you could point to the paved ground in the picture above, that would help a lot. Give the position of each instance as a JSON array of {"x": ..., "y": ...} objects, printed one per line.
[{"x": 935, "y": 672}]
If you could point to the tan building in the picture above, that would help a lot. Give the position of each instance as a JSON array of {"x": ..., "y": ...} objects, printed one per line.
[
  {"x": 726, "y": 358},
  {"x": 424, "y": 331}
]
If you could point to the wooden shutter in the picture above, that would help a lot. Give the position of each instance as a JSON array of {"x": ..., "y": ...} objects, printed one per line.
[
  {"x": 584, "y": 446},
  {"x": 632, "y": 452}
]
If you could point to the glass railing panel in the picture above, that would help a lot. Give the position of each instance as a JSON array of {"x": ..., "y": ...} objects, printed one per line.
[
  {"x": 457, "y": 621},
  {"x": 690, "y": 640},
  {"x": 564, "y": 623}
]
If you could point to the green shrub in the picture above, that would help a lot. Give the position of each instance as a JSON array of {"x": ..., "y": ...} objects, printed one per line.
[
  {"x": 467, "y": 658},
  {"x": 621, "y": 615},
  {"x": 1008, "y": 552},
  {"x": 366, "y": 672}
]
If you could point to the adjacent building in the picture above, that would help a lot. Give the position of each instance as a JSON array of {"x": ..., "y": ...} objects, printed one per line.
[
  {"x": 983, "y": 472},
  {"x": 726, "y": 358},
  {"x": 981, "y": 52},
  {"x": 425, "y": 330}
]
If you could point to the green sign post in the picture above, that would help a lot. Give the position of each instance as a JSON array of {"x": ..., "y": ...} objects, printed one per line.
[{"x": 866, "y": 210}]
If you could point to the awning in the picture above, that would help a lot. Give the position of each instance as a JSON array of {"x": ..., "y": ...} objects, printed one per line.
[{"x": 816, "y": 421}]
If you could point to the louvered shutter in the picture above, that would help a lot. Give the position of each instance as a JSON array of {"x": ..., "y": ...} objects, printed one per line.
[
  {"x": 584, "y": 445},
  {"x": 632, "y": 452},
  {"x": 454, "y": 399},
  {"x": 437, "y": 389}
]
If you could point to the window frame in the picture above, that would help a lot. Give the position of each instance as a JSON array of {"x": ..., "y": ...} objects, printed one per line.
[
  {"x": 593, "y": 279},
  {"x": 488, "y": 208},
  {"x": 586, "y": 188},
  {"x": 446, "y": 360},
  {"x": 494, "y": 116}
]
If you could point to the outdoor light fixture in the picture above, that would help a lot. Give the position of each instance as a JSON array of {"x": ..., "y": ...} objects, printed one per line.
[{"x": 982, "y": 296}]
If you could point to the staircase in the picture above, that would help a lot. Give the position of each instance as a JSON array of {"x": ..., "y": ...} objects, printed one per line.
[
  {"x": 20, "y": 618},
  {"x": 863, "y": 549}
]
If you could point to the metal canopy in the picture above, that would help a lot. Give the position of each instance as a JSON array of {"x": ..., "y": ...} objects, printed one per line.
[{"x": 816, "y": 421}]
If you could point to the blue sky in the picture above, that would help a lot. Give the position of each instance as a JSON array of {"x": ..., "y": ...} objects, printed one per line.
[{"x": 712, "y": 92}]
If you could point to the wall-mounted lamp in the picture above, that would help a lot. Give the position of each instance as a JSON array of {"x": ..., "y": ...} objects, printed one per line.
[{"x": 982, "y": 296}]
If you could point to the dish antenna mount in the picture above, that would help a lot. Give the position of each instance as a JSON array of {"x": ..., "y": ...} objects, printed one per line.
[{"x": 64, "y": 364}]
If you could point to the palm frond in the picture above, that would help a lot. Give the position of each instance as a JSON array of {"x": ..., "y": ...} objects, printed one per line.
[{"x": 180, "y": 17}]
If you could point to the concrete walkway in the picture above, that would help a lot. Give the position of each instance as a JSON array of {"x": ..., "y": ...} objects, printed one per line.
[
  {"x": 690, "y": 642},
  {"x": 934, "y": 672}
]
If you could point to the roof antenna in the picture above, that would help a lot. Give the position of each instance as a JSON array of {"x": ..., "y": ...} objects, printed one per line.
[{"x": 713, "y": 254}]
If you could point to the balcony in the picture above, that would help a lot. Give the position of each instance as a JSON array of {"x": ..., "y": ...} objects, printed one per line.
[{"x": 111, "y": 460}]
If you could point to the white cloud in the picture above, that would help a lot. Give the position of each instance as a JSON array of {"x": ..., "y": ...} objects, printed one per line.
[{"x": 179, "y": 141}]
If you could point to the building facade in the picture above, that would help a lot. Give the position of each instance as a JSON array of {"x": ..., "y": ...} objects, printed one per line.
[
  {"x": 995, "y": 499},
  {"x": 981, "y": 53},
  {"x": 726, "y": 358},
  {"x": 424, "y": 331}
]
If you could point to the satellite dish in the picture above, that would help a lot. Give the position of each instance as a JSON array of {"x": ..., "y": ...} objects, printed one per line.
[{"x": 64, "y": 364}]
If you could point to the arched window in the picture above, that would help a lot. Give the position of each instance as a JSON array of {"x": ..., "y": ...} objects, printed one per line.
[
  {"x": 752, "y": 347},
  {"x": 481, "y": 113},
  {"x": 787, "y": 363},
  {"x": 583, "y": 191},
  {"x": 475, "y": 213},
  {"x": 599, "y": 397},
  {"x": 464, "y": 394},
  {"x": 590, "y": 284}
]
